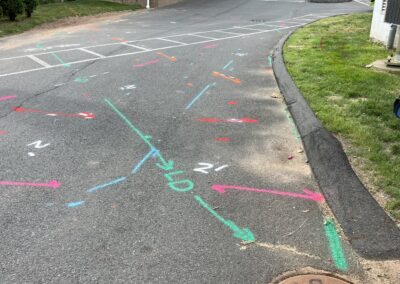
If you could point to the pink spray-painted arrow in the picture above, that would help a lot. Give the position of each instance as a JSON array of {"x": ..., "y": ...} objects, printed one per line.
[
  {"x": 52, "y": 183},
  {"x": 308, "y": 193}
]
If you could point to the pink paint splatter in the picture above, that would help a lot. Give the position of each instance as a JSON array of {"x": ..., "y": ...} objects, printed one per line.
[
  {"x": 224, "y": 139},
  {"x": 7, "y": 98},
  {"x": 232, "y": 103},
  {"x": 210, "y": 45},
  {"x": 147, "y": 63}
]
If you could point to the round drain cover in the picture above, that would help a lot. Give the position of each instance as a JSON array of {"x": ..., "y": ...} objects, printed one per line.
[{"x": 313, "y": 279}]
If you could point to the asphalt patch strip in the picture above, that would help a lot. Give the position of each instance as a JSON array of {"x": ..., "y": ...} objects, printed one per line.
[{"x": 371, "y": 232}]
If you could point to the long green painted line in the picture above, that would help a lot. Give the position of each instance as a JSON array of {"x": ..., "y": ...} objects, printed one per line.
[
  {"x": 165, "y": 164},
  {"x": 244, "y": 234},
  {"x": 335, "y": 245}
]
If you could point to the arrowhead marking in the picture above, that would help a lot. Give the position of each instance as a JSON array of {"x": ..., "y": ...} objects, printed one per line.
[
  {"x": 54, "y": 184},
  {"x": 245, "y": 235},
  {"x": 314, "y": 195}
]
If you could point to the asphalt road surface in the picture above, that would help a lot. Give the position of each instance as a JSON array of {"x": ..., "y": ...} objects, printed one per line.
[{"x": 155, "y": 148}]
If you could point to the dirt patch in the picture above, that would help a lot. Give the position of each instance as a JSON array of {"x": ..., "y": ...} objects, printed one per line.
[
  {"x": 66, "y": 25},
  {"x": 383, "y": 272}
]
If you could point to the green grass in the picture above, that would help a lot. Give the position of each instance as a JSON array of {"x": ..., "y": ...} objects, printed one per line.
[
  {"x": 55, "y": 11},
  {"x": 327, "y": 60}
]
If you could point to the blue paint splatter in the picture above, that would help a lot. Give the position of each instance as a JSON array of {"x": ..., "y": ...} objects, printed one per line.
[
  {"x": 199, "y": 95},
  {"x": 153, "y": 152},
  {"x": 227, "y": 65},
  {"x": 75, "y": 204},
  {"x": 101, "y": 186}
]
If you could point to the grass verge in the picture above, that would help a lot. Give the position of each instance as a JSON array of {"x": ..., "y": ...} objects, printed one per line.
[
  {"x": 54, "y": 11},
  {"x": 327, "y": 61}
]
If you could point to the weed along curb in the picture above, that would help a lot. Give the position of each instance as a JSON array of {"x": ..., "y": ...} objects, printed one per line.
[{"x": 369, "y": 229}]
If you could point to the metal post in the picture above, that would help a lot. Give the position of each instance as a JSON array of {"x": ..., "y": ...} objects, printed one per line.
[
  {"x": 396, "y": 57},
  {"x": 392, "y": 35},
  {"x": 148, "y": 4}
]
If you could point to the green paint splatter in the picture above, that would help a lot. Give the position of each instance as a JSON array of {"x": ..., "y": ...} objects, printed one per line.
[
  {"x": 335, "y": 245},
  {"x": 244, "y": 234},
  {"x": 293, "y": 127}
]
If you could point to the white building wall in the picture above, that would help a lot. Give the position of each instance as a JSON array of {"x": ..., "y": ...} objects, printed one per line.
[{"x": 379, "y": 29}]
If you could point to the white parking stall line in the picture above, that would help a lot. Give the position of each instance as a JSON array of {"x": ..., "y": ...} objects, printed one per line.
[
  {"x": 40, "y": 61},
  {"x": 179, "y": 44},
  {"x": 250, "y": 29},
  {"x": 174, "y": 41},
  {"x": 232, "y": 33},
  {"x": 135, "y": 46},
  {"x": 206, "y": 37},
  {"x": 93, "y": 53}
]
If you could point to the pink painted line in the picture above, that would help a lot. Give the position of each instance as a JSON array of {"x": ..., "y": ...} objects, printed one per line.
[
  {"x": 7, "y": 98},
  {"x": 52, "y": 183},
  {"x": 147, "y": 63},
  {"x": 210, "y": 46},
  {"x": 310, "y": 195}
]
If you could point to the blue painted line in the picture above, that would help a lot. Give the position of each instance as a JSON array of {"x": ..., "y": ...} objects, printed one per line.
[
  {"x": 60, "y": 60},
  {"x": 153, "y": 152},
  {"x": 270, "y": 60},
  {"x": 227, "y": 65},
  {"x": 75, "y": 204},
  {"x": 199, "y": 95},
  {"x": 101, "y": 186}
]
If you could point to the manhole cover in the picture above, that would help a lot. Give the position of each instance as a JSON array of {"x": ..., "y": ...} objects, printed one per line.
[{"x": 313, "y": 279}]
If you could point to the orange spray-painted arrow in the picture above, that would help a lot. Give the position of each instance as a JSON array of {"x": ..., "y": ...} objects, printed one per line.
[{"x": 223, "y": 76}]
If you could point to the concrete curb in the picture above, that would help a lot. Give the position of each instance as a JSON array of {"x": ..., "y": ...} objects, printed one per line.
[{"x": 371, "y": 232}]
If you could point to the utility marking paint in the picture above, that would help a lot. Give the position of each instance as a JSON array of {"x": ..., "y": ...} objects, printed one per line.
[
  {"x": 75, "y": 204},
  {"x": 229, "y": 78},
  {"x": 224, "y": 139},
  {"x": 335, "y": 245},
  {"x": 2, "y": 132},
  {"x": 147, "y": 63},
  {"x": 244, "y": 234},
  {"x": 38, "y": 144},
  {"x": 221, "y": 167},
  {"x": 232, "y": 103},
  {"x": 119, "y": 39},
  {"x": 101, "y": 186},
  {"x": 227, "y": 65},
  {"x": 5, "y": 98},
  {"x": 85, "y": 115},
  {"x": 170, "y": 58},
  {"x": 270, "y": 61},
  {"x": 165, "y": 165},
  {"x": 293, "y": 127},
  {"x": 153, "y": 152},
  {"x": 206, "y": 166},
  {"x": 52, "y": 184},
  {"x": 234, "y": 120},
  {"x": 309, "y": 195},
  {"x": 199, "y": 95},
  {"x": 60, "y": 60},
  {"x": 81, "y": 80},
  {"x": 210, "y": 45}
]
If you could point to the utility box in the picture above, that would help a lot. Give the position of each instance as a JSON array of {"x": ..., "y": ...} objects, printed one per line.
[
  {"x": 380, "y": 29},
  {"x": 393, "y": 12}
]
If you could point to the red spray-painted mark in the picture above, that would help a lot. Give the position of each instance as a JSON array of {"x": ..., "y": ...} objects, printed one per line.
[
  {"x": 147, "y": 63},
  {"x": 85, "y": 115},
  {"x": 308, "y": 194},
  {"x": 52, "y": 184},
  {"x": 5, "y": 98},
  {"x": 2, "y": 132},
  {"x": 210, "y": 45},
  {"x": 237, "y": 120},
  {"x": 229, "y": 78},
  {"x": 170, "y": 58},
  {"x": 232, "y": 103},
  {"x": 119, "y": 39},
  {"x": 224, "y": 139}
]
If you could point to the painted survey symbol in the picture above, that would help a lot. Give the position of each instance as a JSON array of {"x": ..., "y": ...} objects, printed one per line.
[
  {"x": 6, "y": 98},
  {"x": 180, "y": 185},
  {"x": 50, "y": 184},
  {"x": 170, "y": 58},
  {"x": 308, "y": 194},
  {"x": 84, "y": 115},
  {"x": 205, "y": 167},
  {"x": 226, "y": 77},
  {"x": 81, "y": 80},
  {"x": 128, "y": 87},
  {"x": 232, "y": 120},
  {"x": 37, "y": 145}
]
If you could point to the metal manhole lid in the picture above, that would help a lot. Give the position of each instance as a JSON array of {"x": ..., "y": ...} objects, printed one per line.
[{"x": 313, "y": 279}]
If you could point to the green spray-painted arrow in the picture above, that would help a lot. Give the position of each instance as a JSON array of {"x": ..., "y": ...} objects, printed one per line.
[
  {"x": 244, "y": 234},
  {"x": 335, "y": 245}
]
